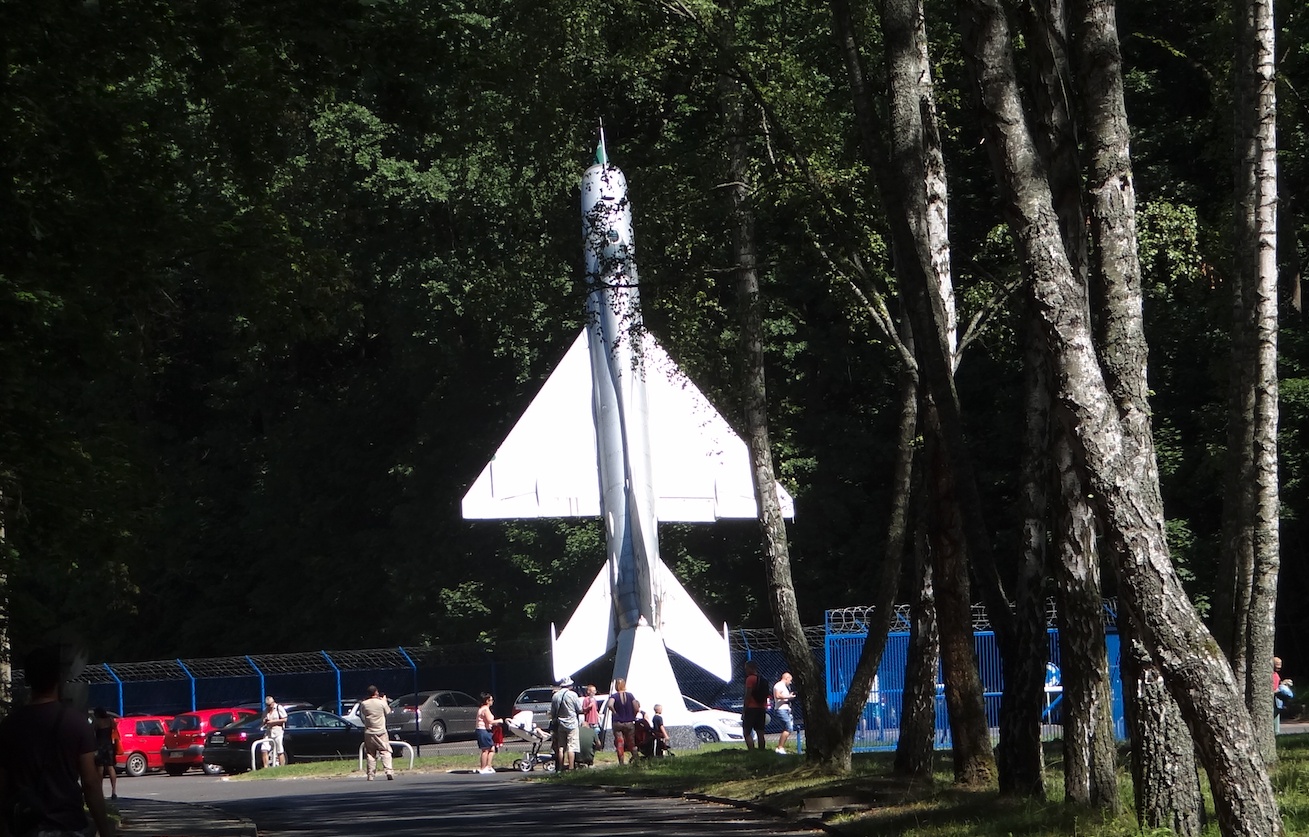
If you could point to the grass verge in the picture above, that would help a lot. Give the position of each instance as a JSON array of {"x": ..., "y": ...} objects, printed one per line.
[{"x": 871, "y": 801}]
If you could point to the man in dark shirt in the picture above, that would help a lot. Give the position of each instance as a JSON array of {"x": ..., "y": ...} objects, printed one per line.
[{"x": 48, "y": 747}]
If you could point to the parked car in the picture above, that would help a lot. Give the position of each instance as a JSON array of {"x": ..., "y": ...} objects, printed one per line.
[
  {"x": 714, "y": 725},
  {"x": 772, "y": 723},
  {"x": 441, "y": 714},
  {"x": 350, "y": 711},
  {"x": 140, "y": 741},
  {"x": 537, "y": 700},
  {"x": 311, "y": 735},
  {"x": 183, "y": 746},
  {"x": 288, "y": 705}
]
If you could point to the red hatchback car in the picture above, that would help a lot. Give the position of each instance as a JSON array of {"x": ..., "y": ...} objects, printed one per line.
[
  {"x": 140, "y": 740},
  {"x": 184, "y": 744}
]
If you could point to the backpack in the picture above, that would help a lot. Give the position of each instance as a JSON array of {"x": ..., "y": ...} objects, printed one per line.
[{"x": 759, "y": 691}]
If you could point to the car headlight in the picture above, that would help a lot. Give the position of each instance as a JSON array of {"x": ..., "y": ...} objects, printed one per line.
[{"x": 731, "y": 722}]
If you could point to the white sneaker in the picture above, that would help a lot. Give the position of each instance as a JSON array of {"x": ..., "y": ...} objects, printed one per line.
[
  {"x": 487, "y": 770},
  {"x": 781, "y": 751}
]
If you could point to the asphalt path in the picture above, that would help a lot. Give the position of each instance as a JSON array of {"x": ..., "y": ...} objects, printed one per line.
[{"x": 450, "y": 805}]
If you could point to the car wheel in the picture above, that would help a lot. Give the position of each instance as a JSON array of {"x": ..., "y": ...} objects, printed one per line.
[
  {"x": 438, "y": 732},
  {"x": 706, "y": 735},
  {"x": 174, "y": 769},
  {"x": 211, "y": 769},
  {"x": 137, "y": 764}
]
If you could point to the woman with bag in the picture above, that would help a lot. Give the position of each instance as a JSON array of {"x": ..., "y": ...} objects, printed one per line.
[{"x": 107, "y": 742}]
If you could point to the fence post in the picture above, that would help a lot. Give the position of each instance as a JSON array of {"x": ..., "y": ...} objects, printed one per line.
[
  {"x": 259, "y": 672},
  {"x": 119, "y": 681},
  {"x": 190, "y": 676},
  {"x": 338, "y": 680},
  {"x": 418, "y": 735}
]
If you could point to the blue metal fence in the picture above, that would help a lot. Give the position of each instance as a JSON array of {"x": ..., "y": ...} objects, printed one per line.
[
  {"x": 335, "y": 678},
  {"x": 879, "y": 727}
]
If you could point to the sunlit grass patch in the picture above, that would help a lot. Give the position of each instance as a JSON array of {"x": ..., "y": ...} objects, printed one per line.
[{"x": 889, "y": 806}]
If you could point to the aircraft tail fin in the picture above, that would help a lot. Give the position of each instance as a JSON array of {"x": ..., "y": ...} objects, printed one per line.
[
  {"x": 686, "y": 630},
  {"x": 589, "y": 633}
]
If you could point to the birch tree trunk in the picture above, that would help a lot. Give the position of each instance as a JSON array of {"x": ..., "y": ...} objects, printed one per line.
[
  {"x": 1116, "y": 281},
  {"x": 913, "y": 189},
  {"x": 1114, "y": 437},
  {"x": 916, "y": 748},
  {"x": 1163, "y": 758},
  {"x": 1250, "y": 557},
  {"x": 1090, "y": 776}
]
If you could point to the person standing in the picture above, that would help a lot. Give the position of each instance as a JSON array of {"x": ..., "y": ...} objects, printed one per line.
[
  {"x": 48, "y": 750},
  {"x": 274, "y": 728},
  {"x": 106, "y": 747},
  {"x": 623, "y": 708},
  {"x": 754, "y": 711},
  {"x": 591, "y": 709},
  {"x": 373, "y": 710},
  {"x": 659, "y": 732},
  {"x": 782, "y": 696},
  {"x": 565, "y": 716},
  {"x": 486, "y": 722}
]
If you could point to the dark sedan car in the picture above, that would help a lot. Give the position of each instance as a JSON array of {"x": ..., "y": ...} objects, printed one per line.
[{"x": 311, "y": 734}]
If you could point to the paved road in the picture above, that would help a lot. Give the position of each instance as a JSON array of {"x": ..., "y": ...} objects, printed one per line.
[{"x": 450, "y": 805}]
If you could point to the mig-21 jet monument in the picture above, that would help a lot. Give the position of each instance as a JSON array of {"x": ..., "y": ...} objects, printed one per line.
[{"x": 618, "y": 431}]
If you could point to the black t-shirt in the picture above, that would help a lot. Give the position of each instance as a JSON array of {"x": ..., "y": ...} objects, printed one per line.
[
  {"x": 40, "y": 747},
  {"x": 657, "y": 726}
]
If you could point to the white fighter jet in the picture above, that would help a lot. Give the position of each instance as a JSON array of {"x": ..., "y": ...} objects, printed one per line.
[{"x": 619, "y": 409}]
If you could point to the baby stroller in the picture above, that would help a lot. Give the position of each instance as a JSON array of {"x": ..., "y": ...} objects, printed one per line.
[
  {"x": 646, "y": 744},
  {"x": 522, "y": 726}
]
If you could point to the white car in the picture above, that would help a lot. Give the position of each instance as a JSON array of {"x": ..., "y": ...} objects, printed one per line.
[
  {"x": 714, "y": 725},
  {"x": 711, "y": 725}
]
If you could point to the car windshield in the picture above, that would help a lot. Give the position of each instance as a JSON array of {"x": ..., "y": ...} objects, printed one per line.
[
  {"x": 536, "y": 696},
  {"x": 693, "y": 705},
  {"x": 410, "y": 700},
  {"x": 186, "y": 723},
  {"x": 248, "y": 723}
]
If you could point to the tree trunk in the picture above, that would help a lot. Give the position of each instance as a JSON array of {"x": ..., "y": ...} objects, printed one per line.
[
  {"x": 1115, "y": 444},
  {"x": 1250, "y": 555},
  {"x": 974, "y": 760},
  {"x": 1163, "y": 757},
  {"x": 6, "y": 654},
  {"x": 916, "y": 748},
  {"x": 1089, "y": 771},
  {"x": 902, "y": 480},
  {"x": 1116, "y": 283},
  {"x": 914, "y": 189},
  {"x": 825, "y": 742},
  {"x": 1020, "y": 757}
]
